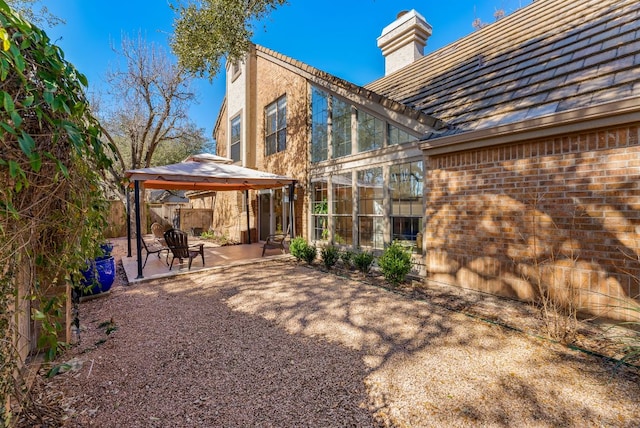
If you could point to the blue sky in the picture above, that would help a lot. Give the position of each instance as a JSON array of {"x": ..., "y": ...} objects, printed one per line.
[{"x": 337, "y": 36}]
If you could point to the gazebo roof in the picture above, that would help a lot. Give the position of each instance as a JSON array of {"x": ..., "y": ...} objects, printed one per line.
[{"x": 212, "y": 175}]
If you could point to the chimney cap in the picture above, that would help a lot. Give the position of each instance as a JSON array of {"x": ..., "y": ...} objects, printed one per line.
[{"x": 402, "y": 12}]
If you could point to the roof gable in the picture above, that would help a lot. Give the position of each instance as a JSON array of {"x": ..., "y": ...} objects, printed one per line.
[{"x": 551, "y": 56}]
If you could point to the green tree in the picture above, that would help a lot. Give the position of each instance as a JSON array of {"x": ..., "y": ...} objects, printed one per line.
[
  {"x": 208, "y": 30},
  {"x": 51, "y": 214},
  {"x": 35, "y": 12},
  {"x": 147, "y": 119}
]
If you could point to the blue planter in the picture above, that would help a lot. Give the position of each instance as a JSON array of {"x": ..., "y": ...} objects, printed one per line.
[{"x": 99, "y": 277}]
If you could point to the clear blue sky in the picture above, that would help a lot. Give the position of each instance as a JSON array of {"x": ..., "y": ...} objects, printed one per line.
[{"x": 337, "y": 36}]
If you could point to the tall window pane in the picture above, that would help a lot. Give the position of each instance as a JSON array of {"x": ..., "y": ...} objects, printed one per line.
[
  {"x": 406, "y": 181},
  {"x": 236, "y": 139},
  {"x": 320, "y": 210},
  {"x": 370, "y": 207},
  {"x": 341, "y": 137},
  {"x": 276, "y": 126},
  {"x": 342, "y": 208},
  {"x": 319, "y": 125},
  {"x": 370, "y": 132}
]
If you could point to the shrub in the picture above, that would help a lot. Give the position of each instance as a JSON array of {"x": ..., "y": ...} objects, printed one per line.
[
  {"x": 330, "y": 256},
  {"x": 395, "y": 263},
  {"x": 346, "y": 257},
  {"x": 309, "y": 253},
  {"x": 297, "y": 246},
  {"x": 363, "y": 261}
]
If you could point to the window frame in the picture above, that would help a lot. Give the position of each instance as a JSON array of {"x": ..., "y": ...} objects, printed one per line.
[
  {"x": 279, "y": 134},
  {"x": 233, "y": 142}
]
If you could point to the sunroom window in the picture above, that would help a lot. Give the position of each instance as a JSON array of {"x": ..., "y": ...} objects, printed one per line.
[
  {"x": 342, "y": 194},
  {"x": 406, "y": 181},
  {"x": 319, "y": 125},
  {"x": 341, "y": 136},
  {"x": 370, "y": 132},
  {"x": 371, "y": 208}
]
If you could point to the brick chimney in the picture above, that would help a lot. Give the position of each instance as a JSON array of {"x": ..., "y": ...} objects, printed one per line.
[{"x": 403, "y": 41}]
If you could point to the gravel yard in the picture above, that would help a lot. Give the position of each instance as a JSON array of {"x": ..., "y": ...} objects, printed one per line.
[{"x": 282, "y": 345}]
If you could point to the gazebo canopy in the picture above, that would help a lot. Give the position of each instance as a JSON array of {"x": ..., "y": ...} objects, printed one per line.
[
  {"x": 207, "y": 175},
  {"x": 200, "y": 172}
]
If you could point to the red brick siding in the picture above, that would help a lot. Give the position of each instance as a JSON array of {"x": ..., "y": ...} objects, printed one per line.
[{"x": 497, "y": 216}]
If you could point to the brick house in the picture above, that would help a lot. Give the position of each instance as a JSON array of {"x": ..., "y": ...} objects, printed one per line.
[{"x": 509, "y": 160}]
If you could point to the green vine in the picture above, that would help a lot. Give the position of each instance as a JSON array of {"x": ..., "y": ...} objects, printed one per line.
[{"x": 52, "y": 210}]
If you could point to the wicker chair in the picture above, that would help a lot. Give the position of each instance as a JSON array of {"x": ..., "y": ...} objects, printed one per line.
[{"x": 178, "y": 244}]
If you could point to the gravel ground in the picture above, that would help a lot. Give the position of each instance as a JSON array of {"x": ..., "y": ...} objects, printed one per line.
[{"x": 283, "y": 345}]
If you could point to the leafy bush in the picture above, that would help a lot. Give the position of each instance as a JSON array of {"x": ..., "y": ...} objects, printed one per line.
[
  {"x": 330, "y": 256},
  {"x": 346, "y": 257},
  {"x": 297, "y": 246},
  {"x": 395, "y": 263},
  {"x": 363, "y": 261},
  {"x": 207, "y": 234},
  {"x": 309, "y": 253}
]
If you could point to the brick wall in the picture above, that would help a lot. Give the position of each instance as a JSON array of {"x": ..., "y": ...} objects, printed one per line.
[
  {"x": 269, "y": 81},
  {"x": 555, "y": 213}
]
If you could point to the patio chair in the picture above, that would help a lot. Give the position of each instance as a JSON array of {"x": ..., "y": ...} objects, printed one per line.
[
  {"x": 276, "y": 240},
  {"x": 158, "y": 232},
  {"x": 178, "y": 243},
  {"x": 154, "y": 248}
]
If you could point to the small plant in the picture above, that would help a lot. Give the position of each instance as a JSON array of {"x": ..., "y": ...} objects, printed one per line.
[
  {"x": 363, "y": 261},
  {"x": 395, "y": 263},
  {"x": 207, "y": 234},
  {"x": 330, "y": 256},
  {"x": 346, "y": 257},
  {"x": 297, "y": 246},
  {"x": 309, "y": 253}
]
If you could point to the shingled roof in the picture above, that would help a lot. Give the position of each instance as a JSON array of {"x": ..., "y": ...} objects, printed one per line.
[
  {"x": 549, "y": 57},
  {"x": 302, "y": 68}
]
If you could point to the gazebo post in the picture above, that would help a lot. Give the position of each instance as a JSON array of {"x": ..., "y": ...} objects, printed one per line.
[
  {"x": 127, "y": 195},
  {"x": 246, "y": 198},
  {"x": 136, "y": 186}
]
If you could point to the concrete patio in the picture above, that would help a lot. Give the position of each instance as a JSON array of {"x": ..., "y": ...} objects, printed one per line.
[{"x": 215, "y": 257}]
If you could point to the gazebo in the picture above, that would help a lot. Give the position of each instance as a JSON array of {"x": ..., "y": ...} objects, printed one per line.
[{"x": 200, "y": 173}]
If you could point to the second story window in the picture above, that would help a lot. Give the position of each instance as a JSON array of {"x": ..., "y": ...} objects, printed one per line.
[
  {"x": 236, "y": 139},
  {"x": 276, "y": 126}
]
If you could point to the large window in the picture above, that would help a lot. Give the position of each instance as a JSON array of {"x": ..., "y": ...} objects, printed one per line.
[
  {"x": 276, "y": 126},
  {"x": 370, "y": 132},
  {"x": 319, "y": 125},
  {"x": 406, "y": 182},
  {"x": 342, "y": 194},
  {"x": 371, "y": 208},
  {"x": 341, "y": 127},
  {"x": 236, "y": 139},
  {"x": 320, "y": 210}
]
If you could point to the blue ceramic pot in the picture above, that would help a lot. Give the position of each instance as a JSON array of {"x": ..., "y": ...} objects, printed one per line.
[
  {"x": 106, "y": 248},
  {"x": 99, "y": 277}
]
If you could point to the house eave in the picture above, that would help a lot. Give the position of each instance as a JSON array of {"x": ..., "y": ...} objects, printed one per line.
[{"x": 572, "y": 121}]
